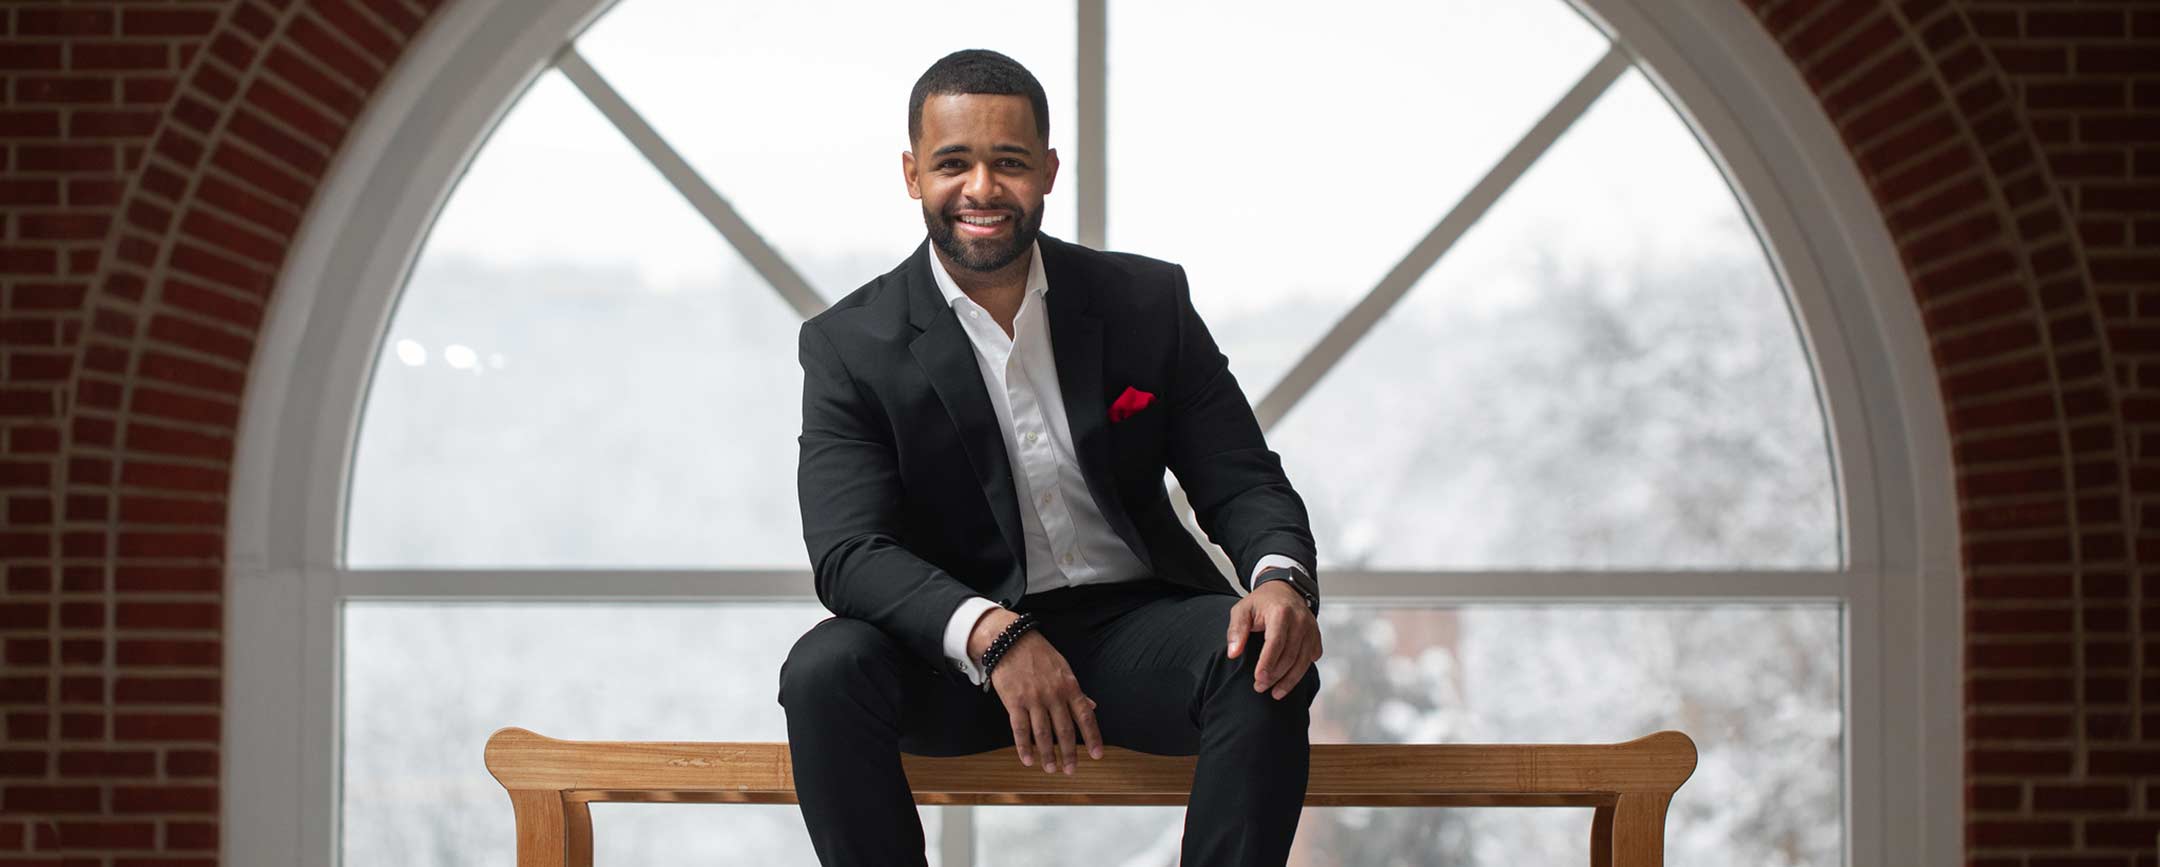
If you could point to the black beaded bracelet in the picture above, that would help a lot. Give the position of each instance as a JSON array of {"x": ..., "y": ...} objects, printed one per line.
[{"x": 1004, "y": 641}]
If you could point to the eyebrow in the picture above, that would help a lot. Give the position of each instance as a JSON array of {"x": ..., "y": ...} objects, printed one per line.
[{"x": 1003, "y": 149}]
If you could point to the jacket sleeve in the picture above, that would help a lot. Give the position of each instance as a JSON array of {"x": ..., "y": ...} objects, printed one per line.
[
  {"x": 848, "y": 484},
  {"x": 1236, "y": 485}
]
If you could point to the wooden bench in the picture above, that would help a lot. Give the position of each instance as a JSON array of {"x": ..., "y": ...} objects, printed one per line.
[{"x": 1630, "y": 784}]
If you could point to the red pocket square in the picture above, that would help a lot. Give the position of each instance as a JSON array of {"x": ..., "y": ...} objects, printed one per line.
[{"x": 1132, "y": 401}]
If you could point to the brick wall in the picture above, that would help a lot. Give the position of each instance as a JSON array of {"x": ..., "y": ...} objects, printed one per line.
[
  {"x": 2015, "y": 148},
  {"x": 156, "y": 158}
]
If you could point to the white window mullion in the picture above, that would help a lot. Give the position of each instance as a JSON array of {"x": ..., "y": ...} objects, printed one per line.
[
  {"x": 714, "y": 207},
  {"x": 1093, "y": 158},
  {"x": 1423, "y": 587},
  {"x": 1361, "y": 318}
]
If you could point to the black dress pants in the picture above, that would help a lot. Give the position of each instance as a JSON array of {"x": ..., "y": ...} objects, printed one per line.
[{"x": 1152, "y": 654}]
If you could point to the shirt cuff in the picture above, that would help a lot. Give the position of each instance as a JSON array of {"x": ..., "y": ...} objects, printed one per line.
[
  {"x": 956, "y": 637},
  {"x": 1279, "y": 561},
  {"x": 1274, "y": 561}
]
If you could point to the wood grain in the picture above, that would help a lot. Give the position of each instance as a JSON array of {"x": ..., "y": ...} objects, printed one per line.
[{"x": 1630, "y": 784}]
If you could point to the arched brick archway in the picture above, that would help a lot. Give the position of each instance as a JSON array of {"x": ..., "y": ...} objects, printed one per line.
[{"x": 160, "y": 158}]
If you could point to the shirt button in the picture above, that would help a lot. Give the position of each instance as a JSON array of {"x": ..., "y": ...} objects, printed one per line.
[
  {"x": 1031, "y": 437},
  {"x": 1046, "y": 499},
  {"x": 975, "y": 314},
  {"x": 1067, "y": 559}
]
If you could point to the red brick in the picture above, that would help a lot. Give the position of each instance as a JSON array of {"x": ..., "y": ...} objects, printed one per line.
[
  {"x": 2125, "y": 762},
  {"x": 191, "y": 763},
  {"x": 174, "y": 477},
  {"x": 50, "y": 21},
  {"x": 2021, "y": 833},
  {"x": 165, "y": 799},
  {"x": 227, "y": 240},
  {"x": 2021, "y": 621},
  {"x": 143, "y": 436},
  {"x": 168, "y": 579},
  {"x": 275, "y": 101},
  {"x": 35, "y": 89},
  {"x": 120, "y": 56},
  {"x": 191, "y": 836},
  {"x": 167, "y": 690},
  {"x": 108, "y": 763},
  {"x": 274, "y": 215},
  {"x": 213, "y": 303},
  {"x": 350, "y": 23},
  {"x": 176, "y": 545},
  {"x": 301, "y": 156},
  {"x": 167, "y": 22},
  {"x": 165, "y": 404},
  {"x": 169, "y": 651},
  {"x": 308, "y": 78},
  {"x": 22, "y": 798},
  {"x": 2117, "y": 59},
  {"x": 65, "y": 158},
  {"x": 2127, "y": 833}
]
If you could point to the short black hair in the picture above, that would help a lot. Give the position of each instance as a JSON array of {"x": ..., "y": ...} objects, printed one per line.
[{"x": 977, "y": 70}]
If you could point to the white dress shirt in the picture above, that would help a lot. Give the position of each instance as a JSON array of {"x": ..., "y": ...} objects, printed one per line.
[{"x": 1069, "y": 542}]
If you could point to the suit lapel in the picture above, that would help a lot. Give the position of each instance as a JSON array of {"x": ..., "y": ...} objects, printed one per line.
[
  {"x": 1076, "y": 342},
  {"x": 947, "y": 358}
]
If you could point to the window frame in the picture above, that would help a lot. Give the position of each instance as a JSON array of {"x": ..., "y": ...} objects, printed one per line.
[{"x": 1899, "y": 588}]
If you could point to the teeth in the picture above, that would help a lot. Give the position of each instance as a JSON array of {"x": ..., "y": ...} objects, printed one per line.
[{"x": 983, "y": 221}]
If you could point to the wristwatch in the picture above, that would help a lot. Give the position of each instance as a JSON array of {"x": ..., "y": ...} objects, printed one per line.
[{"x": 1297, "y": 579}]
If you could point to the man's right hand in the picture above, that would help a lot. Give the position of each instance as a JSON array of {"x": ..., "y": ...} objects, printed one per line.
[{"x": 1050, "y": 715}]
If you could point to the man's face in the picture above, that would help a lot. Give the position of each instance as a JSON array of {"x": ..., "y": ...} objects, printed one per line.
[{"x": 981, "y": 173}]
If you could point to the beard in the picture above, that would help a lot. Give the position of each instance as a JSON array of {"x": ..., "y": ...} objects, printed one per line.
[{"x": 983, "y": 254}]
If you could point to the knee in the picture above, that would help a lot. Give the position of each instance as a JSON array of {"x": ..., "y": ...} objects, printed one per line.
[
  {"x": 837, "y": 657},
  {"x": 1235, "y": 677}
]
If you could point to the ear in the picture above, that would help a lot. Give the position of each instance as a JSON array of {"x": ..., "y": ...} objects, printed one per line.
[
  {"x": 1050, "y": 169},
  {"x": 907, "y": 172}
]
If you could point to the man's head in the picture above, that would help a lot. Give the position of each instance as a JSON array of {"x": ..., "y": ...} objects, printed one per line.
[{"x": 980, "y": 157}]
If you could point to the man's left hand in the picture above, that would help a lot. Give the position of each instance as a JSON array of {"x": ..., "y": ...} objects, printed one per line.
[{"x": 1291, "y": 635}]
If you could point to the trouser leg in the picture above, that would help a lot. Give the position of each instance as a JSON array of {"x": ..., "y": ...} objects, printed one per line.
[
  {"x": 1154, "y": 657},
  {"x": 855, "y": 699}
]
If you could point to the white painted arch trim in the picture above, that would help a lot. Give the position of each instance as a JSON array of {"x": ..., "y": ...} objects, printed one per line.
[{"x": 1901, "y": 586}]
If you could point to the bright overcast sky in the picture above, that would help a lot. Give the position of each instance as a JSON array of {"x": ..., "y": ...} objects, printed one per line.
[{"x": 1275, "y": 152}]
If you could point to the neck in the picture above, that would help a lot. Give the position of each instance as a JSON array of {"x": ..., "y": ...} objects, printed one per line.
[{"x": 985, "y": 286}]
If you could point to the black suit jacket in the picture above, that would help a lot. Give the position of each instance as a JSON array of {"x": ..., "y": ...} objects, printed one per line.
[{"x": 908, "y": 503}]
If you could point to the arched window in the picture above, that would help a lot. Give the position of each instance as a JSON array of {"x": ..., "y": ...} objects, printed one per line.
[{"x": 1537, "y": 356}]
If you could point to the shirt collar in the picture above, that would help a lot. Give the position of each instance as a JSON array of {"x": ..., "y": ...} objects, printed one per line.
[{"x": 1038, "y": 283}]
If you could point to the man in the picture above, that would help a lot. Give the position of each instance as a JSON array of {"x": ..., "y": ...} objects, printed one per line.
[{"x": 985, "y": 430}]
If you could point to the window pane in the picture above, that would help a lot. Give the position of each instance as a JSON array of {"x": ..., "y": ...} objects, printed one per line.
[
  {"x": 580, "y": 372},
  {"x": 797, "y": 112},
  {"x": 1289, "y": 158},
  {"x": 1757, "y": 687},
  {"x": 426, "y": 683},
  {"x": 1602, "y": 374}
]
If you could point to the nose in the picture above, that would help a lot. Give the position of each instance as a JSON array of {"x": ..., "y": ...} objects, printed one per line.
[{"x": 981, "y": 185}]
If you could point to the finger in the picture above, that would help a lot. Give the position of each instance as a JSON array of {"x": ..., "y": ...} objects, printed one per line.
[
  {"x": 1045, "y": 746},
  {"x": 1290, "y": 681},
  {"x": 1270, "y": 651},
  {"x": 1061, "y": 720},
  {"x": 1292, "y": 654},
  {"x": 1021, "y": 737},
  {"x": 1240, "y": 626},
  {"x": 1084, "y": 717}
]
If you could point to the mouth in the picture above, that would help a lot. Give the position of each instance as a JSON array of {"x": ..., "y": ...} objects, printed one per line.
[{"x": 983, "y": 225}]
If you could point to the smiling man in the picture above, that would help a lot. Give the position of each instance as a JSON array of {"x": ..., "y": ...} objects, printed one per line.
[{"x": 985, "y": 431}]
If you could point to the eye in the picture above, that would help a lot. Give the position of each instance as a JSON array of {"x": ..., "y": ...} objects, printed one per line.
[{"x": 1015, "y": 164}]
